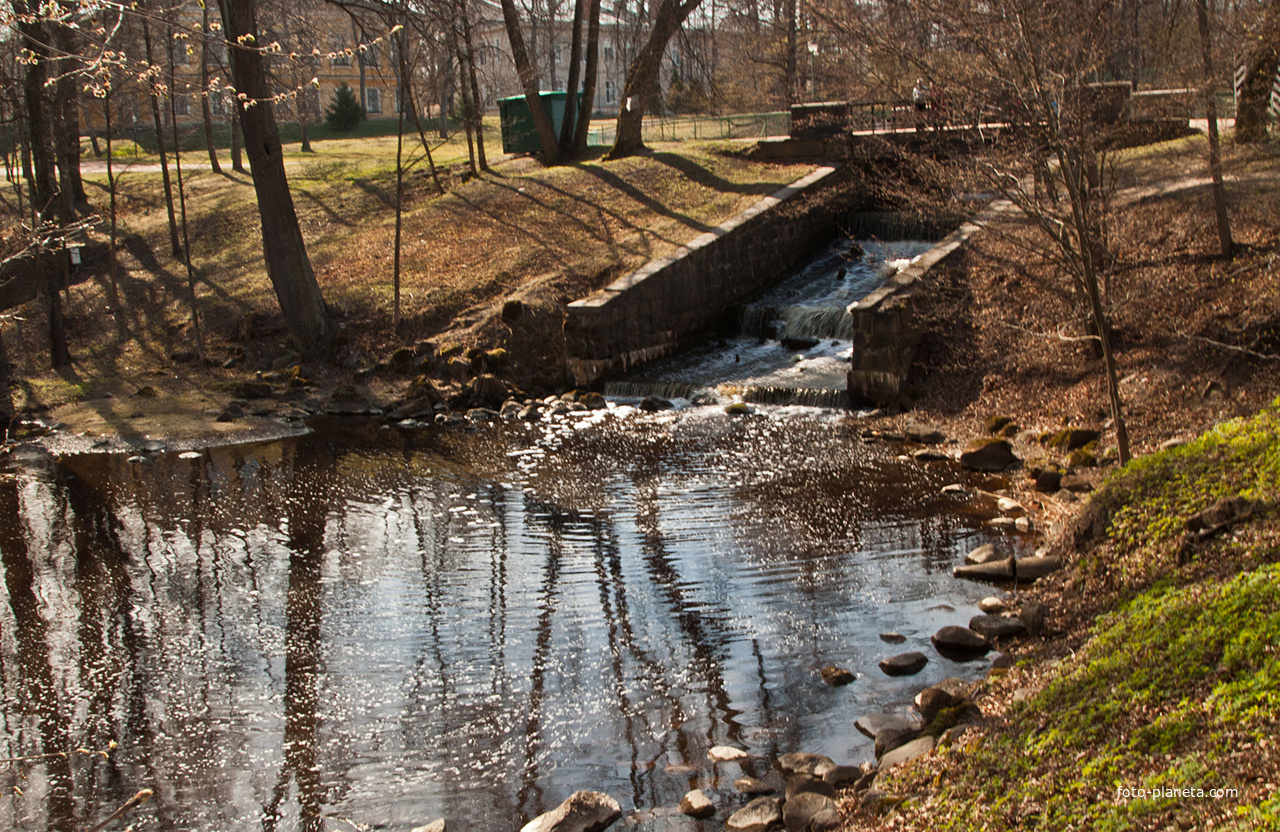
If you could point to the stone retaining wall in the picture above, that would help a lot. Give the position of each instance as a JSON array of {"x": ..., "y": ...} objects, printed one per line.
[
  {"x": 886, "y": 328},
  {"x": 674, "y": 302}
]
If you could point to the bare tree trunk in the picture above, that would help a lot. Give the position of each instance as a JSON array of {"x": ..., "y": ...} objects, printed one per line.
[
  {"x": 468, "y": 122},
  {"x": 45, "y": 197},
  {"x": 237, "y": 140},
  {"x": 182, "y": 205},
  {"x": 111, "y": 189},
  {"x": 285, "y": 252},
  {"x": 1101, "y": 322},
  {"x": 355, "y": 36},
  {"x": 789, "y": 59},
  {"x": 569, "y": 127},
  {"x": 174, "y": 245},
  {"x": 643, "y": 74},
  {"x": 67, "y": 136},
  {"x": 205, "y": 110},
  {"x": 1211, "y": 112},
  {"x": 477, "y": 101},
  {"x": 529, "y": 82},
  {"x": 589, "y": 82},
  {"x": 395, "y": 268}
]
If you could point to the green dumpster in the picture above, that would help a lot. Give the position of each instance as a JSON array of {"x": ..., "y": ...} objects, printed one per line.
[{"x": 518, "y": 133}]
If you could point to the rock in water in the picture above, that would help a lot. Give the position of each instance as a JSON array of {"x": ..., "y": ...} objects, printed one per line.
[
  {"x": 962, "y": 640},
  {"x": 752, "y": 786},
  {"x": 581, "y": 812},
  {"x": 872, "y": 725},
  {"x": 696, "y": 804},
  {"x": 904, "y": 664},
  {"x": 983, "y": 554},
  {"x": 760, "y": 815},
  {"x": 434, "y": 826},
  {"x": 893, "y": 637},
  {"x": 800, "y": 762},
  {"x": 726, "y": 754},
  {"x": 836, "y": 676}
]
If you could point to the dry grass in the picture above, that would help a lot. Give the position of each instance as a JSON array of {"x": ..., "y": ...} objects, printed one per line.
[
  {"x": 999, "y": 339},
  {"x": 570, "y": 228}
]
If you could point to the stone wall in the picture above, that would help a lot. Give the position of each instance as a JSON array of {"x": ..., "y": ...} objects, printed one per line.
[
  {"x": 677, "y": 301},
  {"x": 886, "y": 329}
]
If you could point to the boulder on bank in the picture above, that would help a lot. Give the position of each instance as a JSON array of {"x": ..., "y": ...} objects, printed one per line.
[
  {"x": 802, "y": 783},
  {"x": 949, "y": 693},
  {"x": 760, "y": 815},
  {"x": 887, "y": 741},
  {"x": 995, "y": 626},
  {"x": 487, "y": 390},
  {"x": 1033, "y": 614},
  {"x": 907, "y": 753},
  {"x": 1069, "y": 439},
  {"x": 960, "y": 640},
  {"x": 924, "y": 434},
  {"x": 583, "y": 811},
  {"x": 434, "y": 826},
  {"x": 904, "y": 664},
  {"x": 990, "y": 455},
  {"x": 800, "y": 812}
]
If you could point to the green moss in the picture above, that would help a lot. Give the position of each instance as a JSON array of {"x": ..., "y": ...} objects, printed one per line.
[
  {"x": 997, "y": 423},
  {"x": 1170, "y": 686},
  {"x": 1154, "y": 495}
]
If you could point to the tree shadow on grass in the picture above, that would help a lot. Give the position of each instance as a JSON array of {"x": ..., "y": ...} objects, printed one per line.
[
  {"x": 709, "y": 179},
  {"x": 622, "y": 185}
]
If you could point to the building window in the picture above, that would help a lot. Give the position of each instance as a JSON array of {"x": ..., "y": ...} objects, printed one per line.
[
  {"x": 180, "y": 56},
  {"x": 373, "y": 100},
  {"x": 339, "y": 50},
  {"x": 608, "y": 53},
  {"x": 369, "y": 55},
  {"x": 181, "y": 105},
  {"x": 610, "y": 94},
  {"x": 218, "y": 103}
]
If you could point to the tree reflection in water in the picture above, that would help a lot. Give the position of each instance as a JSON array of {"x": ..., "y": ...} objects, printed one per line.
[{"x": 392, "y": 626}]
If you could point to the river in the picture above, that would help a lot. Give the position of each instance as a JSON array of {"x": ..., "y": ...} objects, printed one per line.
[{"x": 373, "y": 626}]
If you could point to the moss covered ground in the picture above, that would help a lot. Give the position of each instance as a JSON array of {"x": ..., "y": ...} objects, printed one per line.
[{"x": 1161, "y": 713}]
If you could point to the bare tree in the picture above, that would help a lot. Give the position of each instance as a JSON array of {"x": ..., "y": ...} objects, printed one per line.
[
  {"x": 295, "y": 285},
  {"x": 156, "y": 90},
  {"x": 642, "y": 75},
  {"x": 529, "y": 82},
  {"x": 1211, "y": 113}
]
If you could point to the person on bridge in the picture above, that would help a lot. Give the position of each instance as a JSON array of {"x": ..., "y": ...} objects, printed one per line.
[{"x": 920, "y": 96}]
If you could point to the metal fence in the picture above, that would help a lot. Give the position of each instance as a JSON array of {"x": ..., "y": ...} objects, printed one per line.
[{"x": 686, "y": 128}]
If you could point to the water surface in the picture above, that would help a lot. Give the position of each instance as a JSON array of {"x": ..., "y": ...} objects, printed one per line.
[{"x": 379, "y": 626}]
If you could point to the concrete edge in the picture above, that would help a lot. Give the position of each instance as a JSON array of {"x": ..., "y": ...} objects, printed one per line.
[
  {"x": 947, "y": 246},
  {"x": 632, "y": 279}
]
